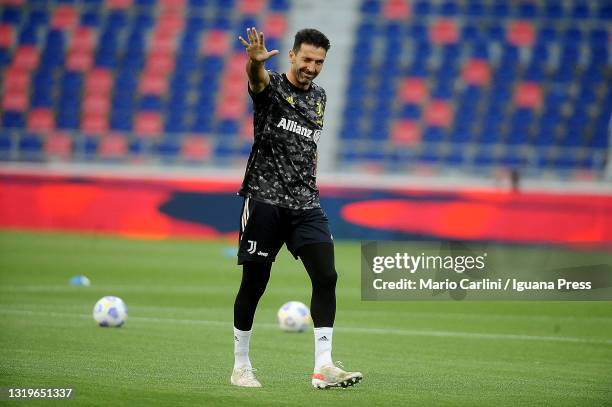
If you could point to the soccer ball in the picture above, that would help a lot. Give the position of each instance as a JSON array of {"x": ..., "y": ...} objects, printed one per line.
[
  {"x": 110, "y": 311},
  {"x": 293, "y": 317}
]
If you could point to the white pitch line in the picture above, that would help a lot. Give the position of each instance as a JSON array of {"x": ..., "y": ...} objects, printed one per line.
[{"x": 372, "y": 331}]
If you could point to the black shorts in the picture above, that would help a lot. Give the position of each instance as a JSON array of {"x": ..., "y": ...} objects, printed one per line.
[{"x": 264, "y": 228}]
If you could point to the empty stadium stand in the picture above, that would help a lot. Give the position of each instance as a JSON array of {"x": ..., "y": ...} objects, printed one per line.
[
  {"x": 128, "y": 80},
  {"x": 440, "y": 85},
  {"x": 480, "y": 84}
]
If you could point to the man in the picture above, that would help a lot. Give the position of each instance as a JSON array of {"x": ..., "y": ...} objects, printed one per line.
[{"x": 281, "y": 199}]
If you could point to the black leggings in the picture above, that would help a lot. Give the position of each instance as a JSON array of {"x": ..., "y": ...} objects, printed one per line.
[{"x": 318, "y": 259}]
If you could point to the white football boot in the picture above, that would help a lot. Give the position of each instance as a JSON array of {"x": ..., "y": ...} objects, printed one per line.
[
  {"x": 244, "y": 377},
  {"x": 332, "y": 376}
]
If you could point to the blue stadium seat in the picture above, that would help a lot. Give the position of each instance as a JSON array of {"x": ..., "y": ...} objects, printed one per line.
[
  {"x": 528, "y": 10},
  {"x": 484, "y": 158},
  {"x": 5, "y": 57},
  {"x": 500, "y": 9},
  {"x": 38, "y": 18},
  {"x": 13, "y": 119},
  {"x": 461, "y": 135},
  {"x": 470, "y": 32},
  {"x": 168, "y": 148},
  {"x": 475, "y": 8},
  {"x": 6, "y": 145},
  {"x": 580, "y": 9},
  {"x": 11, "y": 15},
  {"x": 429, "y": 155},
  {"x": 28, "y": 35},
  {"x": 511, "y": 159},
  {"x": 88, "y": 146},
  {"x": 554, "y": 9},
  {"x": 605, "y": 12},
  {"x": 410, "y": 111},
  {"x": 151, "y": 103},
  {"x": 31, "y": 147},
  {"x": 433, "y": 135},
  {"x": 456, "y": 157},
  {"x": 90, "y": 19},
  {"x": 565, "y": 161},
  {"x": 121, "y": 120},
  {"x": 279, "y": 5},
  {"x": 370, "y": 7},
  {"x": 449, "y": 8},
  {"x": 422, "y": 8}
]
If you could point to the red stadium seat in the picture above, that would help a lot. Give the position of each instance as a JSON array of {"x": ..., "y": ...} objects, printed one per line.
[
  {"x": 83, "y": 39},
  {"x": 153, "y": 84},
  {"x": 521, "y": 33},
  {"x": 170, "y": 21},
  {"x": 41, "y": 120},
  {"x": 414, "y": 90},
  {"x": 96, "y": 103},
  {"x": 7, "y": 36},
  {"x": 476, "y": 72},
  {"x": 231, "y": 108},
  {"x": 215, "y": 42},
  {"x": 58, "y": 145},
  {"x": 26, "y": 57},
  {"x": 252, "y": 7},
  {"x": 195, "y": 148},
  {"x": 99, "y": 81},
  {"x": 233, "y": 88},
  {"x": 163, "y": 40},
  {"x": 235, "y": 65},
  {"x": 275, "y": 25},
  {"x": 528, "y": 94},
  {"x": 12, "y": 2},
  {"x": 396, "y": 9},
  {"x": 443, "y": 31},
  {"x": 119, "y": 4},
  {"x": 79, "y": 60},
  {"x": 246, "y": 128},
  {"x": 177, "y": 5},
  {"x": 16, "y": 100},
  {"x": 148, "y": 124},
  {"x": 16, "y": 78},
  {"x": 64, "y": 18},
  {"x": 406, "y": 132},
  {"x": 94, "y": 123},
  {"x": 113, "y": 145},
  {"x": 439, "y": 114},
  {"x": 160, "y": 62}
]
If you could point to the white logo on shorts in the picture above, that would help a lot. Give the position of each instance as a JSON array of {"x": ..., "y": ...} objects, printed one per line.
[{"x": 252, "y": 246}]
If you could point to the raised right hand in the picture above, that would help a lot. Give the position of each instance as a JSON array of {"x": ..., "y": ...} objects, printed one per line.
[{"x": 256, "y": 48}]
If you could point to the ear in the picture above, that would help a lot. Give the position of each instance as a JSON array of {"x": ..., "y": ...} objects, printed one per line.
[{"x": 291, "y": 56}]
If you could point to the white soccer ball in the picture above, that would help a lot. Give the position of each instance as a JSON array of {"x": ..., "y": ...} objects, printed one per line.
[
  {"x": 293, "y": 317},
  {"x": 110, "y": 311}
]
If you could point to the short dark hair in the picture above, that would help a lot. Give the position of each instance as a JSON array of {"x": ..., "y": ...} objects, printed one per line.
[{"x": 312, "y": 37}]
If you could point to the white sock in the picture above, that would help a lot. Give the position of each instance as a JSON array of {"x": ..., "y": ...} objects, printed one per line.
[
  {"x": 241, "y": 348},
  {"x": 323, "y": 347}
]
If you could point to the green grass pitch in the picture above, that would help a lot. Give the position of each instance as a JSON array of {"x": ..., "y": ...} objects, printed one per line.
[{"x": 176, "y": 347}]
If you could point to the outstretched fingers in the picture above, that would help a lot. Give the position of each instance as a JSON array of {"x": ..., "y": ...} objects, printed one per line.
[
  {"x": 263, "y": 44},
  {"x": 253, "y": 37},
  {"x": 256, "y": 45}
]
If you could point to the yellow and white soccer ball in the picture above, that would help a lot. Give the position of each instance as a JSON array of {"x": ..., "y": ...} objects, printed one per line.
[
  {"x": 294, "y": 316},
  {"x": 110, "y": 311}
]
